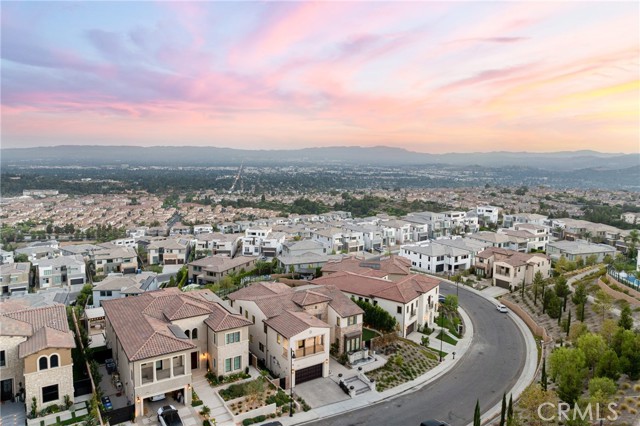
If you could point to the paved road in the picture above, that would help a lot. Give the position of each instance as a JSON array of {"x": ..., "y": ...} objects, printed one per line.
[{"x": 491, "y": 367}]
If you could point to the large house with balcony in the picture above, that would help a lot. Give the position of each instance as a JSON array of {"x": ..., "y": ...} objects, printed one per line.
[
  {"x": 261, "y": 240},
  {"x": 160, "y": 337},
  {"x": 412, "y": 301},
  {"x": 217, "y": 243},
  {"x": 117, "y": 286},
  {"x": 35, "y": 354},
  {"x": 212, "y": 269},
  {"x": 61, "y": 271},
  {"x": 509, "y": 269},
  {"x": 167, "y": 252},
  {"x": 307, "y": 319},
  {"x": 111, "y": 258}
]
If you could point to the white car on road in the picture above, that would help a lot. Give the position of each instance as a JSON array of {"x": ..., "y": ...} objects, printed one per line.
[{"x": 502, "y": 308}]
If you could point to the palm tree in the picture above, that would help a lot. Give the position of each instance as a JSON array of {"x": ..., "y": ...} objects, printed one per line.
[{"x": 632, "y": 239}]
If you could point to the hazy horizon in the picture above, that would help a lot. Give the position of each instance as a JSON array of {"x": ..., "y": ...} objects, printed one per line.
[{"x": 428, "y": 77}]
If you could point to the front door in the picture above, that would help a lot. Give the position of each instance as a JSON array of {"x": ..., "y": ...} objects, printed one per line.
[
  {"x": 194, "y": 360},
  {"x": 6, "y": 390}
]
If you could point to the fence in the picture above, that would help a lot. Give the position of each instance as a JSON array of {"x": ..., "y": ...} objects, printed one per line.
[
  {"x": 624, "y": 279},
  {"x": 82, "y": 387},
  {"x": 119, "y": 415}
]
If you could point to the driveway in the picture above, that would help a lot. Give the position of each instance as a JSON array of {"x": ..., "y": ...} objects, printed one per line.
[
  {"x": 492, "y": 367},
  {"x": 320, "y": 392},
  {"x": 495, "y": 291}
]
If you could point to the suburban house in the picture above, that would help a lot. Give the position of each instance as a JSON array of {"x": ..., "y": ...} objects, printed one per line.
[
  {"x": 437, "y": 225},
  {"x": 307, "y": 320},
  {"x": 167, "y": 252},
  {"x": 371, "y": 235},
  {"x": 510, "y": 220},
  {"x": 112, "y": 258},
  {"x": 160, "y": 337},
  {"x": 488, "y": 214},
  {"x": 296, "y": 248},
  {"x": 179, "y": 229},
  {"x": 523, "y": 241},
  {"x": 571, "y": 250},
  {"x": 37, "y": 253},
  {"x": 6, "y": 257},
  {"x": 212, "y": 269},
  {"x": 492, "y": 239},
  {"x": 443, "y": 256},
  {"x": 630, "y": 217},
  {"x": 509, "y": 269},
  {"x": 84, "y": 250},
  {"x": 35, "y": 354},
  {"x": 217, "y": 243},
  {"x": 61, "y": 271},
  {"x": 15, "y": 277},
  {"x": 117, "y": 286},
  {"x": 392, "y": 268},
  {"x": 395, "y": 232},
  {"x": 261, "y": 240},
  {"x": 461, "y": 223},
  {"x": 412, "y": 301},
  {"x": 305, "y": 264},
  {"x": 202, "y": 229}
]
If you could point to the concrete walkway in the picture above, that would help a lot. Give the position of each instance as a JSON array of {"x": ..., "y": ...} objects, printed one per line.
[{"x": 211, "y": 399}]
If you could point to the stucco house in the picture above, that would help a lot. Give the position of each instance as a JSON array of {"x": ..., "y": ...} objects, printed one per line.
[
  {"x": 158, "y": 338},
  {"x": 35, "y": 354},
  {"x": 509, "y": 268}
]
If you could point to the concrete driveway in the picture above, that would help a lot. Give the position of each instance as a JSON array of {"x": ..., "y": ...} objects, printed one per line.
[
  {"x": 495, "y": 291},
  {"x": 320, "y": 392}
]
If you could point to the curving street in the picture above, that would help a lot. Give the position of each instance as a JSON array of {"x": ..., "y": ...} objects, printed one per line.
[{"x": 490, "y": 367}]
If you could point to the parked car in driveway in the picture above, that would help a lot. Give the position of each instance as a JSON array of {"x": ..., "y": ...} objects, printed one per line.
[
  {"x": 502, "y": 308},
  {"x": 168, "y": 416}
]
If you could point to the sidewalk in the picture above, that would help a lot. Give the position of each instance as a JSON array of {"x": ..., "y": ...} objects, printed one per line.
[{"x": 373, "y": 397}]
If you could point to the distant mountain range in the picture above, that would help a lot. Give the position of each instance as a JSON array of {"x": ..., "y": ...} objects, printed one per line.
[{"x": 381, "y": 155}]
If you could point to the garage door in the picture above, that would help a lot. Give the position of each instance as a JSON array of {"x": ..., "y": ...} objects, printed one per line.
[
  {"x": 503, "y": 284},
  {"x": 309, "y": 373}
]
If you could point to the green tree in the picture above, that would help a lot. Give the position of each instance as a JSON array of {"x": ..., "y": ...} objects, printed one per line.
[
  {"x": 592, "y": 259},
  {"x": 568, "y": 327},
  {"x": 503, "y": 410},
  {"x": 562, "y": 290},
  {"x": 593, "y": 346},
  {"x": 510, "y": 413},
  {"x": 629, "y": 344},
  {"x": 626, "y": 320},
  {"x": 20, "y": 258},
  {"x": 576, "y": 330},
  {"x": 602, "y": 304},
  {"x": 608, "y": 365},
  {"x": 602, "y": 389},
  {"x": 538, "y": 283},
  {"x": 568, "y": 370},
  {"x": 543, "y": 375},
  {"x": 535, "y": 398},
  {"x": 476, "y": 415}
]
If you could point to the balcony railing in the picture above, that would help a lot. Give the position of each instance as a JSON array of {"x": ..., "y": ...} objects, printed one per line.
[
  {"x": 309, "y": 350},
  {"x": 163, "y": 374}
]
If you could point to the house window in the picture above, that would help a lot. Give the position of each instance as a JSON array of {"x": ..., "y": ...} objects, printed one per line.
[
  {"x": 338, "y": 321},
  {"x": 43, "y": 363},
  {"x": 253, "y": 319},
  {"x": 279, "y": 339},
  {"x": 246, "y": 314},
  {"x": 159, "y": 364},
  {"x": 237, "y": 362},
  {"x": 194, "y": 333},
  {"x": 375, "y": 303},
  {"x": 265, "y": 329},
  {"x": 261, "y": 347},
  {"x": 232, "y": 337},
  {"x": 399, "y": 310},
  {"x": 352, "y": 320},
  {"x": 188, "y": 333},
  {"x": 54, "y": 361},
  {"x": 228, "y": 366},
  {"x": 3, "y": 359},
  {"x": 50, "y": 393}
]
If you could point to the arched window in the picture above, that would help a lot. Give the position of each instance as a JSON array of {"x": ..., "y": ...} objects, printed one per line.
[
  {"x": 187, "y": 333},
  {"x": 194, "y": 333},
  {"x": 43, "y": 363},
  {"x": 54, "y": 361}
]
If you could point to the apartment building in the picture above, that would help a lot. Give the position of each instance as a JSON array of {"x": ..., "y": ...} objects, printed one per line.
[
  {"x": 302, "y": 321},
  {"x": 61, "y": 271},
  {"x": 412, "y": 301},
  {"x": 15, "y": 277},
  {"x": 35, "y": 354},
  {"x": 509, "y": 268},
  {"x": 160, "y": 337}
]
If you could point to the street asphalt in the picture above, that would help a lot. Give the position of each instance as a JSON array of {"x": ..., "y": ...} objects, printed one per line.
[{"x": 490, "y": 368}]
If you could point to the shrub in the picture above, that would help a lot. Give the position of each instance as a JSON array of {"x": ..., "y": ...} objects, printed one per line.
[{"x": 206, "y": 423}]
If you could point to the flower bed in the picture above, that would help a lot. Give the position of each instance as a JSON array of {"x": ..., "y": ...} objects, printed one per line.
[{"x": 222, "y": 380}]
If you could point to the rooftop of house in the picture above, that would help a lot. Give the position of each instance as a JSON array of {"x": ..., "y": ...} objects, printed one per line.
[
  {"x": 510, "y": 257},
  {"x": 15, "y": 268},
  {"x": 402, "y": 291},
  {"x": 143, "y": 323},
  {"x": 273, "y": 298},
  {"x": 581, "y": 247},
  {"x": 303, "y": 245},
  {"x": 44, "y": 327},
  {"x": 217, "y": 263},
  {"x": 491, "y": 237},
  {"x": 289, "y": 324},
  {"x": 390, "y": 265},
  {"x": 76, "y": 260}
]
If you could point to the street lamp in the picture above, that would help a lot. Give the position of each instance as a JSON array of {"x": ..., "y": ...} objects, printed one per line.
[
  {"x": 441, "y": 336},
  {"x": 293, "y": 355}
]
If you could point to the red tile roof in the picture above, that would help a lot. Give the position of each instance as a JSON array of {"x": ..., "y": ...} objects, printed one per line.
[{"x": 289, "y": 324}]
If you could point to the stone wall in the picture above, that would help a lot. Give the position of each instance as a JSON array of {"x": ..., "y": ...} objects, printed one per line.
[
  {"x": 341, "y": 331},
  {"x": 535, "y": 328},
  {"x": 34, "y": 382},
  {"x": 617, "y": 294}
]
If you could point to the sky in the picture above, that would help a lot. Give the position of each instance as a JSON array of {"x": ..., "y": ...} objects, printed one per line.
[{"x": 426, "y": 76}]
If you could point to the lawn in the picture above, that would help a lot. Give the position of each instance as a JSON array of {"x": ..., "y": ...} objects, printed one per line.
[
  {"x": 446, "y": 338},
  {"x": 368, "y": 334}
]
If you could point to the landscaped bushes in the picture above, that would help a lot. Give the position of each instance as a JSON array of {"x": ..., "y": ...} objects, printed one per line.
[
  {"x": 221, "y": 380},
  {"x": 258, "y": 419},
  {"x": 280, "y": 398},
  {"x": 376, "y": 317}
]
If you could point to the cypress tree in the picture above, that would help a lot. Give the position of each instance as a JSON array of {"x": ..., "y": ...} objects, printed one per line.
[
  {"x": 510, "y": 410},
  {"x": 476, "y": 414},
  {"x": 503, "y": 411},
  {"x": 568, "y": 323},
  {"x": 543, "y": 378}
]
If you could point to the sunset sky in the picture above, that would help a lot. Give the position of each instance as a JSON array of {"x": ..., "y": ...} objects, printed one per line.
[{"x": 427, "y": 76}]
